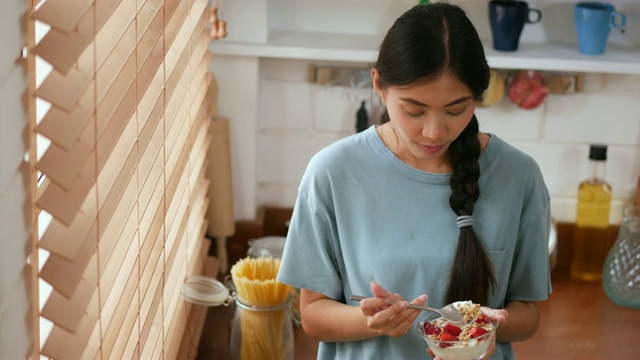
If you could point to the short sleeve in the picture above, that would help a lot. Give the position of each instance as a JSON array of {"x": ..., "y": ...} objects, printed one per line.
[
  {"x": 530, "y": 275},
  {"x": 310, "y": 252}
]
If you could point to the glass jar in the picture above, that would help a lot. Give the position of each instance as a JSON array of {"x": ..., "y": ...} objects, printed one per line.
[
  {"x": 621, "y": 271},
  {"x": 262, "y": 332}
]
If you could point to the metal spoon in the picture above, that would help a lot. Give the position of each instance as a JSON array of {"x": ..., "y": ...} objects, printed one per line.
[{"x": 449, "y": 312}]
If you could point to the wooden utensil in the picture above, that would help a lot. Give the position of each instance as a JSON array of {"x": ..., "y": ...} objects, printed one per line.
[{"x": 220, "y": 192}]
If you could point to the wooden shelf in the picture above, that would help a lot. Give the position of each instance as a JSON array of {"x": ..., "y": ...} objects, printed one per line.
[{"x": 363, "y": 49}]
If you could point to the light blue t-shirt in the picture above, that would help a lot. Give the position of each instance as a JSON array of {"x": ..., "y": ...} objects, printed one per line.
[{"x": 362, "y": 215}]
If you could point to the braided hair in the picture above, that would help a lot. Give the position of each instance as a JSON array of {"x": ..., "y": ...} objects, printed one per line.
[{"x": 424, "y": 43}]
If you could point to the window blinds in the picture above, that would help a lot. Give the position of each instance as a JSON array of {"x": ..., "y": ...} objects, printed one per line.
[{"x": 125, "y": 170}]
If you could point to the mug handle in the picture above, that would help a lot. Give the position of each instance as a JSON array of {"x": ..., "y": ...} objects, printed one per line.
[
  {"x": 538, "y": 18},
  {"x": 621, "y": 17}
]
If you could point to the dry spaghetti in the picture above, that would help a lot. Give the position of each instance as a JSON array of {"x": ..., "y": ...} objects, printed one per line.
[{"x": 263, "y": 306}]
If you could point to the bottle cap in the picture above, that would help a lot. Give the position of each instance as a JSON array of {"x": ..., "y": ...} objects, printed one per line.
[{"x": 598, "y": 152}]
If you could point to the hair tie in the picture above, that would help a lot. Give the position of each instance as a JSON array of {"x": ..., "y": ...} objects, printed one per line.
[{"x": 465, "y": 220}]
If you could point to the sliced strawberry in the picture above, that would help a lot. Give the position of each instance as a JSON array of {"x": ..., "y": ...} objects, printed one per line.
[
  {"x": 447, "y": 337},
  {"x": 431, "y": 329},
  {"x": 478, "y": 331},
  {"x": 483, "y": 319},
  {"x": 452, "y": 329}
]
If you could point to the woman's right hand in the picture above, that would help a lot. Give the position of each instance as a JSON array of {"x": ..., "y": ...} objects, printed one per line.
[{"x": 387, "y": 312}]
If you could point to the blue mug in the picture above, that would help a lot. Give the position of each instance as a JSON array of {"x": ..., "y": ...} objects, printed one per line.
[
  {"x": 594, "y": 21},
  {"x": 507, "y": 19}
]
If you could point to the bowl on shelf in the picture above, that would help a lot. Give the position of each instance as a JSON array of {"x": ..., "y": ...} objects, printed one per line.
[{"x": 472, "y": 346}]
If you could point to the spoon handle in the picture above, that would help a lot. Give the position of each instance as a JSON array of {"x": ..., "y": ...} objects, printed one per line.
[{"x": 409, "y": 305}]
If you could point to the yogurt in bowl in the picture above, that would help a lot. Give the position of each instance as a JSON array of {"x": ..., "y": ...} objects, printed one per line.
[{"x": 453, "y": 342}]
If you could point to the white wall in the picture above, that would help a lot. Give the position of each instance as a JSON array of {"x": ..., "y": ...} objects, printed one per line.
[
  {"x": 294, "y": 119},
  {"x": 15, "y": 219}
]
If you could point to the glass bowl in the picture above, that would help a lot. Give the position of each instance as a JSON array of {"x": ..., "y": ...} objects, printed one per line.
[{"x": 471, "y": 349}]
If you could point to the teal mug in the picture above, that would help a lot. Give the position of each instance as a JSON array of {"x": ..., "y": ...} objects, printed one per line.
[{"x": 594, "y": 21}]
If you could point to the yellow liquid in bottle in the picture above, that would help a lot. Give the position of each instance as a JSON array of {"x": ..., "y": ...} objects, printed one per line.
[{"x": 590, "y": 242}]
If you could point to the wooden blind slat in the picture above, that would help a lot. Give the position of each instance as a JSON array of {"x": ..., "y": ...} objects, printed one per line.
[
  {"x": 151, "y": 300},
  {"x": 63, "y": 14},
  {"x": 64, "y": 274},
  {"x": 151, "y": 248},
  {"x": 170, "y": 9},
  {"x": 62, "y": 344},
  {"x": 64, "y": 205},
  {"x": 174, "y": 271},
  {"x": 64, "y": 175},
  {"x": 148, "y": 11},
  {"x": 63, "y": 128},
  {"x": 152, "y": 347},
  {"x": 65, "y": 90},
  {"x": 62, "y": 240},
  {"x": 148, "y": 122},
  {"x": 79, "y": 228},
  {"x": 175, "y": 102},
  {"x": 127, "y": 336},
  {"x": 154, "y": 202},
  {"x": 116, "y": 259},
  {"x": 80, "y": 187},
  {"x": 174, "y": 214},
  {"x": 68, "y": 244},
  {"x": 64, "y": 50},
  {"x": 175, "y": 142},
  {"x": 178, "y": 54},
  {"x": 114, "y": 309},
  {"x": 59, "y": 308},
  {"x": 151, "y": 165}
]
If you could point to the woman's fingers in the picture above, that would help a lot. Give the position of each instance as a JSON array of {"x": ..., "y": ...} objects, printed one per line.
[
  {"x": 371, "y": 306},
  {"x": 397, "y": 319},
  {"x": 378, "y": 291},
  {"x": 499, "y": 315},
  {"x": 420, "y": 300},
  {"x": 387, "y": 312}
]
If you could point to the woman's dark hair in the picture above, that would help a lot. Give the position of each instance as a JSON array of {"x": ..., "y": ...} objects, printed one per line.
[{"x": 423, "y": 44}]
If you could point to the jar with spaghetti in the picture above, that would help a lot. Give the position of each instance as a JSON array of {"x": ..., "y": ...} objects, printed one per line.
[
  {"x": 262, "y": 326},
  {"x": 262, "y": 332}
]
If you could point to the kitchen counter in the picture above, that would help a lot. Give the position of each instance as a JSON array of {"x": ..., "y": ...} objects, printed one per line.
[{"x": 578, "y": 322}]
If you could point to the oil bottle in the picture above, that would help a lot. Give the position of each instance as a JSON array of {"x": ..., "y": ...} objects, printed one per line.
[{"x": 590, "y": 240}]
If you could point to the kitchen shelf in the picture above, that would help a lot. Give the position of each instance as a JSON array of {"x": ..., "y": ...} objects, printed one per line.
[
  {"x": 363, "y": 49},
  {"x": 305, "y": 46}
]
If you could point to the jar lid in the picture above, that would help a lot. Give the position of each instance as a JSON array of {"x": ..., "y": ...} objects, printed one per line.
[
  {"x": 204, "y": 290},
  {"x": 598, "y": 152},
  {"x": 269, "y": 246}
]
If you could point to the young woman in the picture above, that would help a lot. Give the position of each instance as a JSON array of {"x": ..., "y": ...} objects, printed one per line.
[{"x": 423, "y": 205}]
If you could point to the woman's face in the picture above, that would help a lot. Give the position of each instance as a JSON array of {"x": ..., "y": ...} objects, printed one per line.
[{"x": 426, "y": 118}]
